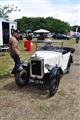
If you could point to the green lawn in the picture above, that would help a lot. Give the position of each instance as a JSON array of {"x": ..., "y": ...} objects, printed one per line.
[{"x": 6, "y": 63}]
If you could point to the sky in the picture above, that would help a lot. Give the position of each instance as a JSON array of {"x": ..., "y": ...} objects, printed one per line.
[{"x": 65, "y": 10}]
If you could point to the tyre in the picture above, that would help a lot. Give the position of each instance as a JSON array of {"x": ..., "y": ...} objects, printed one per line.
[
  {"x": 53, "y": 87},
  {"x": 21, "y": 78}
]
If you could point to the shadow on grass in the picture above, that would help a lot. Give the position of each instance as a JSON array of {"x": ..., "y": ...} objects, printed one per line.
[{"x": 36, "y": 91}]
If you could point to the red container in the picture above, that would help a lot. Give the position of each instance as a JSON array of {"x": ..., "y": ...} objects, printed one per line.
[{"x": 28, "y": 45}]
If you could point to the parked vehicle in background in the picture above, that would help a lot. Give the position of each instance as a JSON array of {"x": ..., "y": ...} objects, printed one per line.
[
  {"x": 60, "y": 36},
  {"x": 34, "y": 35},
  {"x": 49, "y": 35}
]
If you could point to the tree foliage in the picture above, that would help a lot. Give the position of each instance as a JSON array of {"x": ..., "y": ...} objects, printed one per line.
[
  {"x": 74, "y": 28},
  {"x": 6, "y": 10},
  {"x": 49, "y": 23}
]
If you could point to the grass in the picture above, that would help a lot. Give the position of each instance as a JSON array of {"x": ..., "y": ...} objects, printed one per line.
[{"x": 6, "y": 62}]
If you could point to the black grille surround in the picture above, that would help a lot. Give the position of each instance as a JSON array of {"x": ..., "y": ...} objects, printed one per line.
[{"x": 37, "y": 67}]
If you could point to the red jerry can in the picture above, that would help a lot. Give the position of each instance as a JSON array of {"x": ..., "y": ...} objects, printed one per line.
[{"x": 28, "y": 45}]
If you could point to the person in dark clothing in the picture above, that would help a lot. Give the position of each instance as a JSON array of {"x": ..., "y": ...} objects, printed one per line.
[
  {"x": 14, "y": 50},
  {"x": 77, "y": 39},
  {"x": 41, "y": 37},
  {"x": 28, "y": 36},
  {"x": 12, "y": 30}
]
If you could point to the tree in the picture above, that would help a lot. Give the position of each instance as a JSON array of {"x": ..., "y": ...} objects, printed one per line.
[
  {"x": 74, "y": 28},
  {"x": 6, "y": 10},
  {"x": 49, "y": 23}
]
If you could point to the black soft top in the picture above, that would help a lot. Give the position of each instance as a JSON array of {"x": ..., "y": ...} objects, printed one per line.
[{"x": 62, "y": 50}]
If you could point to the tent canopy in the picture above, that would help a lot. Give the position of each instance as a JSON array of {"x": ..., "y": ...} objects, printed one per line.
[{"x": 41, "y": 31}]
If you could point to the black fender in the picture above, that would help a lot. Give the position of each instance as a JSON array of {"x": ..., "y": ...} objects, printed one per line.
[
  {"x": 17, "y": 70},
  {"x": 24, "y": 65},
  {"x": 69, "y": 64},
  {"x": 71, "y": 59},
  {"x": 56, "y": 72},
  {"x": 72, "y": 50}
]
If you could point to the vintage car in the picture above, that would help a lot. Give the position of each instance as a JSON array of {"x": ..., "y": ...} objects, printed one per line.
[{"x": 46, "y": 65}]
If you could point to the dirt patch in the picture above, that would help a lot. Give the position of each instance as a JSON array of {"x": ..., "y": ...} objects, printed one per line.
[{"x": 32, "y": 102}]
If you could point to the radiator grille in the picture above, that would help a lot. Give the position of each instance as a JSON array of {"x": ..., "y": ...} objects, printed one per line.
[{"x": 36, "y": 67}]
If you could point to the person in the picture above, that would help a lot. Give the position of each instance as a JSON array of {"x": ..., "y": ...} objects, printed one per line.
[
  {"x": 47, "y": 45},
  {"x": 77, "y": 39},
  {"x": 40, "y": 37},
  {"x": 12, "y": 30},
  {"x": 14, "y": 50},
  {"x": 28, "y": 36}
]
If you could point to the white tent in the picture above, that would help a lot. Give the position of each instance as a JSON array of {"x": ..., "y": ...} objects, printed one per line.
[{"x": 41, "y": 31}]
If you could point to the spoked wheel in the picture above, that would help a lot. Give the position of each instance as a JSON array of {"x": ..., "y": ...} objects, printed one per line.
[
  {"x": 53, "y": 87},
  {"x": 21, "y": 78}
]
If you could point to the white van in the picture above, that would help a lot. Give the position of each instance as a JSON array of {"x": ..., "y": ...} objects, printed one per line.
[{"x": 6, "y": 27}]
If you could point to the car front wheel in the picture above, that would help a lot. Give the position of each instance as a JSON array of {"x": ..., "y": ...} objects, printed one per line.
[
  {"x": 21, "y": 78},
  {"x": 53, "y": 87}
]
